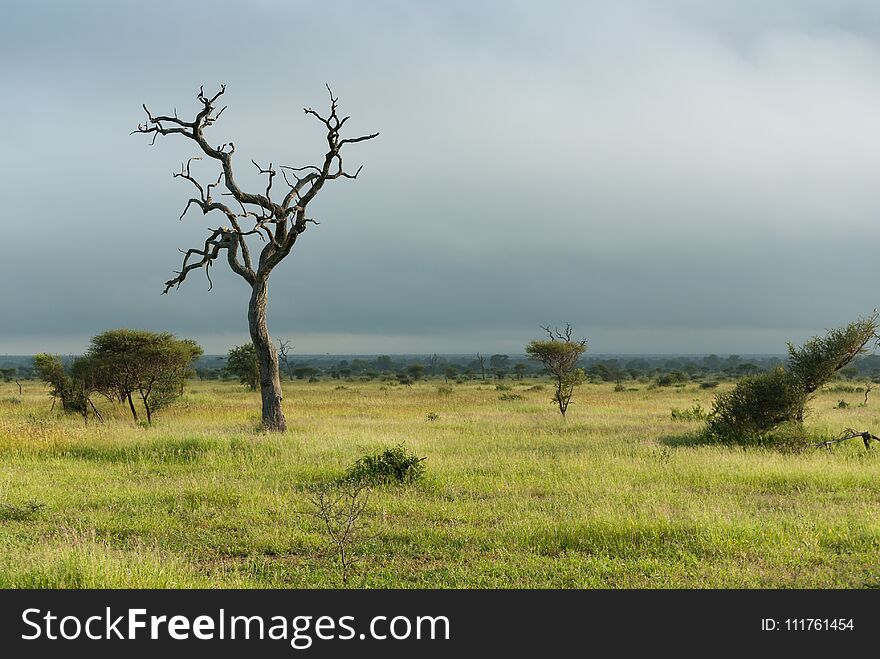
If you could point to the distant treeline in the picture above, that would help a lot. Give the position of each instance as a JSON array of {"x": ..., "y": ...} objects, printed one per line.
[{"x": 665, "y": 369}]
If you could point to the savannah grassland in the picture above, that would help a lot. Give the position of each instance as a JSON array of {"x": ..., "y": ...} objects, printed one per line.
[{"x": 616, "y": 495}]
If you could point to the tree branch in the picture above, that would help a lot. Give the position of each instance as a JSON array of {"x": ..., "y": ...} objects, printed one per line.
[{"x": 271, "y": 220}]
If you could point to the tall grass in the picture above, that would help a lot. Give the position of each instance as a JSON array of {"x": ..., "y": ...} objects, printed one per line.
[{"x": 618, "y": 494}]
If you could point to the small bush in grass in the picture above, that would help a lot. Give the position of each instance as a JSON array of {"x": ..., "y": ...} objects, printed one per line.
[
  {"x": 619, "y": 387},
  {"x": 444, "y": 390},
  {"x": 509, "y": 397},
  {"x": 709, "y": 384},
  {"x": 432, "y": 416},
  {"x": 841, "y": 405},
  {"x": 502, "y": 387},
  {"x": 695, "y": 413},
  {"x": 395, "y": 464}
]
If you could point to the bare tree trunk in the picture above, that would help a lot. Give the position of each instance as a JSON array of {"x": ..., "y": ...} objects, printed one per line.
[
  {"x": 270, "y": 379},
  {"x": 134, "y": 414}
]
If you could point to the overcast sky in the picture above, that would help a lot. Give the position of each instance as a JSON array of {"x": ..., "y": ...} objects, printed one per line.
[{"x": 667, "y": 176}]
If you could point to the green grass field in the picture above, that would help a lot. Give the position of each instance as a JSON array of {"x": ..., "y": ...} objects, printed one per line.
[{"x": 616, "y": 495}]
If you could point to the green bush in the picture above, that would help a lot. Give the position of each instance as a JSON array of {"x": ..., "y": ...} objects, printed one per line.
[
  {"x": 671, "y": 379},
  {"x": 756, "y": 406},
  {"x": 395, "y": 464},
  {"x": 695, "y": 413}
]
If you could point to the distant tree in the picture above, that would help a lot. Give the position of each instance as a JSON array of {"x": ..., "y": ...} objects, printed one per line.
[
  {"x": 284, "y": 349},
  {"x": 242, "y": 362},
  {"x": 415, "y": 371},
  {"x": 560, "y": 354},
  {"x": 432, "y": 363},
  {"x": 11, "y": 375},
  {"x": 302, "y": 372},
  {"x": 519, "y": 370},
  {"x": 499, "y": 365},
  {"x": 672, "y": 378},
  {"x": 124, "y": 363},
  {"x": 450, "y": 373},
  {"x": 482, "y": 366},
  {"x": 73, "y": 389},
  {"x": 384, "y": 363}
]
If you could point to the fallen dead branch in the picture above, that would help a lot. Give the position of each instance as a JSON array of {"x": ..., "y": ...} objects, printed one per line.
[{"x": 849, "y": 433}]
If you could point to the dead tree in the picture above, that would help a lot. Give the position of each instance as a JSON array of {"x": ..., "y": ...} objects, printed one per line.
[
  {"x": 277, "y": 223},
  {"x": 284, "y": 349}
]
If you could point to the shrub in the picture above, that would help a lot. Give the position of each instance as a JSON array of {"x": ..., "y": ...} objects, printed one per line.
[
  {"x": 673, "y": 378},
  {"x": 695, "y": 413},
  {"x": 432, "y": 416},
  {"x": 509, "y": 397},
  {"x": 444, "y": 390},
  {"x": 395, "y": 464},
  {"x": 841, "y": 405},
  {"x": 770, "y": 407},
  {"x": 709, "y": 384},
  {"x": 757, "y": 405}
]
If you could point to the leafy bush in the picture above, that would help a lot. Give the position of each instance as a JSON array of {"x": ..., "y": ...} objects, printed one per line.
[
  {"x": 695, "y": 413},
  {"x": 443, "y": 390},
  {"x": 509, "y": 397},
  {"x": 671, "y": 379},
  {"x": 432, "y": 416},
  {"x": 757, "y": 405},
  {"x": 709, "y": 384},
  {"x": 769, "y": 408},
  {"x": 395, "y": 464}
]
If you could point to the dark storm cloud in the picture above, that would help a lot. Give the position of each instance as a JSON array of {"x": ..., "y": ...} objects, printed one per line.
[{"x": 680, "y": 176}]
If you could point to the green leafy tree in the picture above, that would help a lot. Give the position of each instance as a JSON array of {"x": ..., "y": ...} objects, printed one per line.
[
  {"x": 499, "y": 365},
  {"x": 559, "y": 355},
  {"x": 124, "y": 364},
  {"x": 74, "y": 388},
  {"x": 415, "y": 371},
  {"x": 820, "y": 358},
  {"x": 242, "y": 362},
  {"x": 761, "y": 404}
]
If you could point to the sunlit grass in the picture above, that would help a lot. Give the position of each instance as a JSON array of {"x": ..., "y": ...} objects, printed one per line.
[{"x": 618, "y": 494}]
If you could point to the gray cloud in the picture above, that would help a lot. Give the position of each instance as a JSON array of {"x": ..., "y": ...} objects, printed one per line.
[{"x": 675, "y": 176}]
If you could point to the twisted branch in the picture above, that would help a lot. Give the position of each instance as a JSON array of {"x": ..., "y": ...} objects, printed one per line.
[{"x": 278, "y": 224}]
